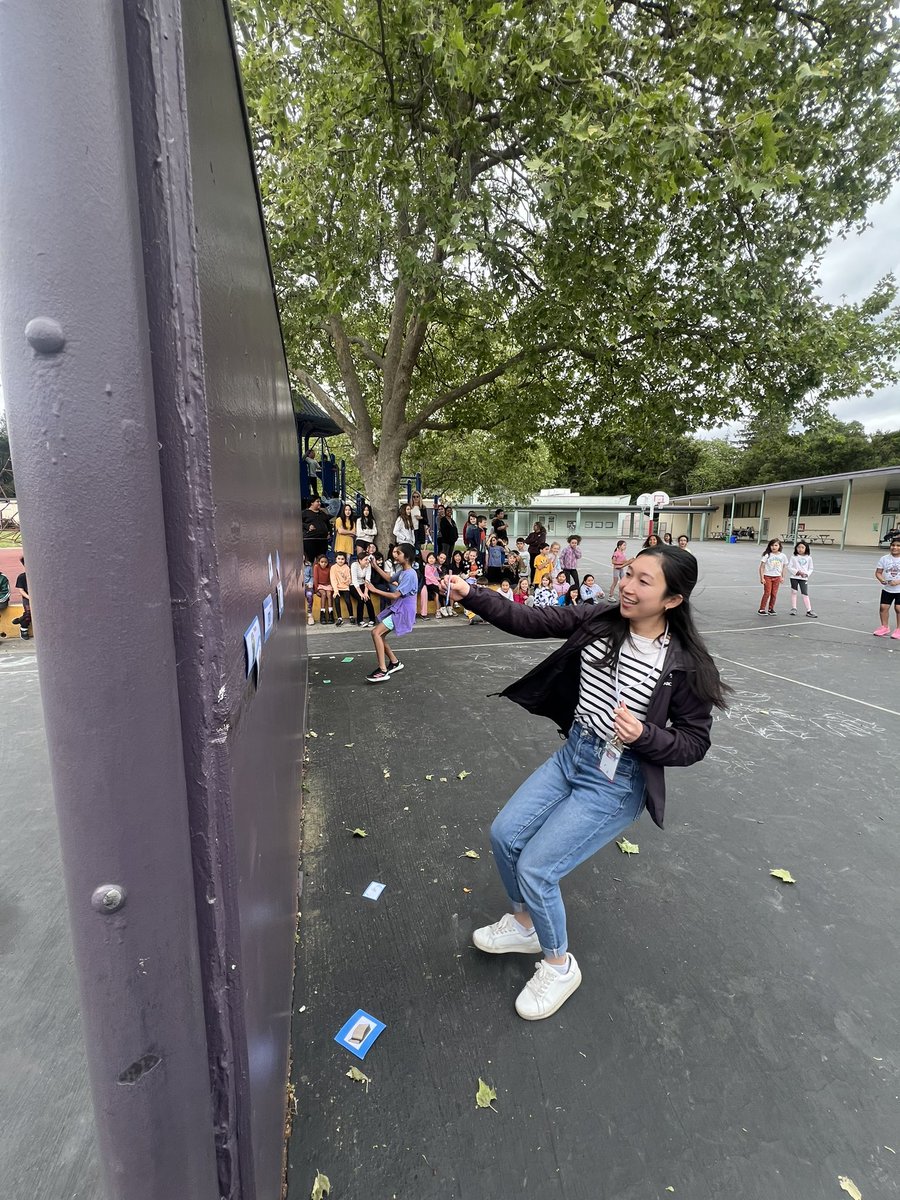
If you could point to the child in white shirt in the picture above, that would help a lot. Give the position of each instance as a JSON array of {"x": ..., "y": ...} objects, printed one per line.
[
  {"x": 800, "y": 568},
  {"x": 772, "y": 573},
  {"x": 888, "y": 575}
]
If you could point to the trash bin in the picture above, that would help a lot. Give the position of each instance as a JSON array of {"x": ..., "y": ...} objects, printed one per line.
[{"x": 733, "y": 538}]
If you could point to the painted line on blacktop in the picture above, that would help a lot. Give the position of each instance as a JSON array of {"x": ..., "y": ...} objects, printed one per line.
[
  {"x": 421, "y": 649},
  {"x": 812, "y": 687},
  {"x": 493, "y": 645}
]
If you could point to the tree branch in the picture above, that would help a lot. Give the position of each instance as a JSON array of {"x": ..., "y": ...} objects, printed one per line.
[
  {"x": 350, "y": 378},
  {"x": 418, "y": 423},
  {"x": 372, "y": 355},
  {"x": 324, "y": 400}
]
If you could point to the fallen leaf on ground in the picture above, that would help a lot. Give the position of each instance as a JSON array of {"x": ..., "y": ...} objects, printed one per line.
[
  {"x": 628, "y": 847},
  {"x": 848, "y": 1186},
  {"x": 429, "y": 778},
  {"x": 786, "y": 876},
  {"x": 386, "y": 773},
  {"x": 468, "y": 891},
  {"x": 356, "y": 1073},
  {"x": 311, "y": 733},
  {"x": 347, "y": 745},
  {"x": 321, "y": 1187},
  {"x": 326, "y": 681},
  {"x": 470, "y": 854},
  {"x": 443, "y": 779},
  {"x": 356, "y": 832},
  {"x": 485, "y": 1096},
  {"x": 464, "y": 774},
  {"x": 670, "y": 1189}
]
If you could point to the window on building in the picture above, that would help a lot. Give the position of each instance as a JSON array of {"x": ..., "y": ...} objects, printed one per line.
[
  {"x": 891, "y": 502},
  {"x": 746, "y": 508},
  {"x": 818, "y": 506}
]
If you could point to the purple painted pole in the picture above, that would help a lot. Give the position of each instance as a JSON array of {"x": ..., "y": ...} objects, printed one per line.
[{"x": 79, "y": 397}]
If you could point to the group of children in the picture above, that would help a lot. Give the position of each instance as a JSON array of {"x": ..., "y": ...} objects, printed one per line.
[
  {"x": 345, "y": 591},
  {"x": 775, "y": 567}
]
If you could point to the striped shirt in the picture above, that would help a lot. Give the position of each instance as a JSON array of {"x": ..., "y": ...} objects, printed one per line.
[{"x": 640, "y": 666}]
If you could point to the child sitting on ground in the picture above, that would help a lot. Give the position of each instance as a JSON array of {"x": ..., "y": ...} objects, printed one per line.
[
  {"x": 570, "y": 597},
  {"x": 308, "y": 590},
  {"x": 522, "y": 593},
  {"x": 472, "y": 581},
  {"x": 506, "y": 589},
  {"x": 340, "y": 587},
  {"x": 591, "y": 591},
  {"x": 545, "y": 594},
  {"x": 432, "y": 588},
  {"x": 561, "y": 586},
  {"x": 322, "y": 588}
]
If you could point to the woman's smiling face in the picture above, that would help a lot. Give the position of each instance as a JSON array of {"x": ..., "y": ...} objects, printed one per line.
[{"x": 642, "y": 592}]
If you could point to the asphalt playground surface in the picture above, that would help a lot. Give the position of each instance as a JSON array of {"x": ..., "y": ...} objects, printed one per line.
[{"x": 734, "y": 1036}]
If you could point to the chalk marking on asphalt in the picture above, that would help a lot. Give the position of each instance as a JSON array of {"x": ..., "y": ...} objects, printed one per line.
[{"x": 801, "y": 683}]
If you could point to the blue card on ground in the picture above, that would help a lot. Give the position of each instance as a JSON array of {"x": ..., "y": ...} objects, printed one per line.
[
  {"x": 359, "y": 1033},
  {"x": 374, "y": 890}
]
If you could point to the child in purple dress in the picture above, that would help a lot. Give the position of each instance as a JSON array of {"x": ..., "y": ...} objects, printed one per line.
[{"x": 400, "y": 615}]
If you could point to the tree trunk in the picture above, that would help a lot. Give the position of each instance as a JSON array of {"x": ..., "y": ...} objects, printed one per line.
[{"x": 383, "y": 493}]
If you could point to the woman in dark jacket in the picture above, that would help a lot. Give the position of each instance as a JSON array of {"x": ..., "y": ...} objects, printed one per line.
[
  {"x": 535, "y": 540},
  {"x": 448, "y": 534},
  {"x": 633, "y": 688}
]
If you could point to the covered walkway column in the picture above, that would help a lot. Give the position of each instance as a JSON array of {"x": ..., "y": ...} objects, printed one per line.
[
  {"x": 845, "y": 511},
  {"x": 762, "y": 513}
]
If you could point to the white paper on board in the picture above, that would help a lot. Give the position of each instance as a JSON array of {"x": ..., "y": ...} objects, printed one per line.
[
  {"x": 268, "y": 616},
  {"x": 252, "y": 645},
  {"x": 271, "y": 571},
  {"x": 374, "y": 890}
]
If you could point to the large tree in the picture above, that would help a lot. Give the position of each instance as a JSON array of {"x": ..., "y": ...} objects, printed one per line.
[{"x": 604, "y": 211}]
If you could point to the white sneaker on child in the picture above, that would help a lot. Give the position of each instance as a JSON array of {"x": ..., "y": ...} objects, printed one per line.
[
  {"x": 506, "y": 936},
  {"x": 547, "y": 990}
]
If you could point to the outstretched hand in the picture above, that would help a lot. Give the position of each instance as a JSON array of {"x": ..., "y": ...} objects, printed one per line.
[{"x": 459, "y": 589}]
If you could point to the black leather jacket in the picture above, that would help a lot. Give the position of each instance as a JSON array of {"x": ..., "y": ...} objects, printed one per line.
[{"x": 678, "y": 723}]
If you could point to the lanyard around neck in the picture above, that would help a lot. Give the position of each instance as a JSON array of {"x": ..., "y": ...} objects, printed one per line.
[{"x": 656, "y": 666}]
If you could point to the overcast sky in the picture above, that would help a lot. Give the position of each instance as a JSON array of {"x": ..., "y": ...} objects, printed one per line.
[{"x": 850, "y": 270}]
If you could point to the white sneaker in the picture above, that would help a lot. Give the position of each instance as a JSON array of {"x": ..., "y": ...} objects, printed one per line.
[
  {"x": 547, "y": 990},
  {"x": 506, "y": 936}
]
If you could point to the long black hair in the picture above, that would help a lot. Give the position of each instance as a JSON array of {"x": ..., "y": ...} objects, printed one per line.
[
  {"x": 679, "y": 567},
  {"x": 367, "y": 522}
]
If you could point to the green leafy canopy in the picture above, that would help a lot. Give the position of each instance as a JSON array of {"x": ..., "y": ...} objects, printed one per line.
[{"x": 567, "y": 212}]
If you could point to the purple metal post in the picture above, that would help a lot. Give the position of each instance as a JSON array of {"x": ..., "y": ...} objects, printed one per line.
[{"x": 79, "y": 397}]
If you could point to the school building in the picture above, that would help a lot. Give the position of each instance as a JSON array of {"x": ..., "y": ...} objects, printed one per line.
[
  {"x": 563, "y": 512},
  {"x": 854, "y": 509}
]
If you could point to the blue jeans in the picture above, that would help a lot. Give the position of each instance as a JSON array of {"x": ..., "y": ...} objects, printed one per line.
[{"x": 560, "y": 816}]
